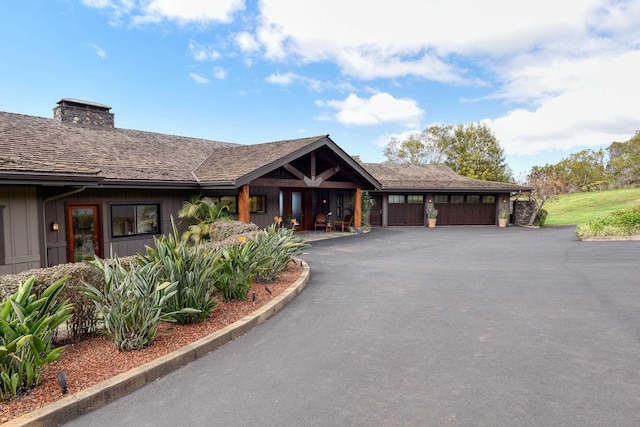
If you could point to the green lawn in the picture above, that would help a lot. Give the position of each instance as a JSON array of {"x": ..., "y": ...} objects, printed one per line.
[{"x": 571, "y": 209}]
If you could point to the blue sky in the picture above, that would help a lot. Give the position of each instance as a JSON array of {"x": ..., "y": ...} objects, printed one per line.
[{"x": 548, "y": 77}]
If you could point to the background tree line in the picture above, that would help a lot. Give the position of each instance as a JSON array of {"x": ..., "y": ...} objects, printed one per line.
[{"x": 472, "y": 150}]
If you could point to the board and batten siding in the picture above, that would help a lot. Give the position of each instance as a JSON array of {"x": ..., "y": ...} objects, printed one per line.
[{"x": 20, "y": 235}]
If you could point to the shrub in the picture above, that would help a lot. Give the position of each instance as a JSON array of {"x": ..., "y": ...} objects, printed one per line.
[
  {"x": 27, "y": 325},
  {"x": 84, "y": 318},
  {"x": 277, "y": 247},
  {"x": 541, "y": 217},
  {"x": 193, "y": 269},
  {"x": 238, "y": 266},
  {"x": 620, "y": 223},
  {"x": 132, "y": 303},
  {"x": 221, "y": 230}
]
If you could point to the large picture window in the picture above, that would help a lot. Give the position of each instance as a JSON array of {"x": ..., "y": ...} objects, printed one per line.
[{"x": 133, "y": 220}]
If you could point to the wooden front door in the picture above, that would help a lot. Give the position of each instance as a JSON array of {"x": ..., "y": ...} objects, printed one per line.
[{"x": 84, "y": 237}]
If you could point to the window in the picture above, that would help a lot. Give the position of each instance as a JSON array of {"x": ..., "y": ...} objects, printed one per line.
[
  {"x": 133, "y": 220},
  {"x": 257, "y": 204},
  {"x": 489, "y": 199},
  {"x": 231, "y": 202},
  {"x": 396, "y": 198},
  {"x": 474, "y": 198},
  {"x": 440, "y": 198},
  {"x": 415, "y": 198},
  {"x": 457, "y": 199}
]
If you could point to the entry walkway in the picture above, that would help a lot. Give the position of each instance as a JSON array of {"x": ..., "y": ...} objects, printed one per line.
[{"x": 449, "y": 326}]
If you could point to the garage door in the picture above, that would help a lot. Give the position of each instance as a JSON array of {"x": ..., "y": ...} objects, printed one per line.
[
  {"x": 465, "y": 209},
  {"x": 406, "y": 209}
]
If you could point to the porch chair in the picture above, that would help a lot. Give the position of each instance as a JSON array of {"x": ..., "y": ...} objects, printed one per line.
[
  {"x": 346, "y": 222},
  {"x": 321, "y": 221}
]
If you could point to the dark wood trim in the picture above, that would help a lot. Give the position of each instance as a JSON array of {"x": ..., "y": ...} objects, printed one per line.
[{"x": 288, "y": 183}]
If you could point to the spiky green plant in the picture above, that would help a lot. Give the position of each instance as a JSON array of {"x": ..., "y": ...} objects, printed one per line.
[
  {"x": 238, "y": 266},
  {"x": 193, "y": 268},
  {"x": 132, "y": 304},
  {"x": 27, "y": 324},
  {"x": 277, "y": 247}
]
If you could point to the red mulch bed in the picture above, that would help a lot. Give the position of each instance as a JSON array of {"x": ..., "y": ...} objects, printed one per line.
[{"x": 96, "y": 358}]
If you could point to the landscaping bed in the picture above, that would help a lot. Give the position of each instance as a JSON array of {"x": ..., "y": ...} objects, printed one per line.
[{"x": 96, "y": 358}]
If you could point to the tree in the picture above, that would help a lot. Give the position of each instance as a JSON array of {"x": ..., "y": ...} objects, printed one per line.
[
  {"x": 418, "y": 148},
  {"x": 547, "y": 183},
  {"x": 201, "y": 213},
  {"x": 624, "y": 160},
  {"x": 473, "y": 151},
  {"x": 584, "y": 170}
]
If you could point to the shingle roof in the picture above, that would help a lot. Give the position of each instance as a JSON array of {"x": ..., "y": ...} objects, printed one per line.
[
  {"x": 232, "y": 162},
  {"x": 40, "y": 145},
  {"x": 395, "y": 176}
]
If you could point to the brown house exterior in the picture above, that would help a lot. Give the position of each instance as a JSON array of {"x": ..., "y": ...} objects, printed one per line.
[{"x": 75, "y": 185}]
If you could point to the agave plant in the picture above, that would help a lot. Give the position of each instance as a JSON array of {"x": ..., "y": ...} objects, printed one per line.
[{"x": 27, "y": 325}]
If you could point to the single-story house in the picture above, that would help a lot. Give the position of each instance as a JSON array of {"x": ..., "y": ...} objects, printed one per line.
[{"x": 76, "y": 185}]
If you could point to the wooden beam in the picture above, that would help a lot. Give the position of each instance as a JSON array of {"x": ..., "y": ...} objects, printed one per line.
[
  {"x": 273, "y": 182},
  {"x": 329, "y": 173},
  {"x": 313, "y": 165},
  {"x": 295, "y": 172},
  {"x": 357, "y": 214},
  {"x": 243, "y": 205}
]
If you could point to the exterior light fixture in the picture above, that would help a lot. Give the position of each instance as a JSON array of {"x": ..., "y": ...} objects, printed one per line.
[
  {"x": 62, "y": 381},
  {"x": 55, "y": 226}
]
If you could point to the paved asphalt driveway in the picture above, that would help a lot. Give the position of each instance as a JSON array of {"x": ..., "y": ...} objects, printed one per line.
[{"x": 426, "y": 327}]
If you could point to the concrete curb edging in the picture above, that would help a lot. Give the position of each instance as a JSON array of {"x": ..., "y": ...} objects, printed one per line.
[{"x": 94, "y": 397}]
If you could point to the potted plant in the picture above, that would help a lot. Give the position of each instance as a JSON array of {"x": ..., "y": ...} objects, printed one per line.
[
  {"x": 503, "y": 216},
  {"x": 432, "y": 215}
]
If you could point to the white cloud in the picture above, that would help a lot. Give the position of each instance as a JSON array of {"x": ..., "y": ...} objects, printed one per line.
[
  {"x": 380, "y": 108},
  {"x": 219, "y": 73},
  {"x": 99, "y": 51},
  {"x": 180, "y": 11},
  {"x": 246, "y": 42},
  {"x": 198, "y": 78},
  {"x": 595, "y": 107},
  {"x": 290, "y": 78},
  {"x": 203, "y": 53}
]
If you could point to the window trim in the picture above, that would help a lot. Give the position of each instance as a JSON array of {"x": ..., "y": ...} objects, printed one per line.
[{"x": 158, "y": 229}]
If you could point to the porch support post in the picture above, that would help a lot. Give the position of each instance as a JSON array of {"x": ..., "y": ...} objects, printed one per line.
[
  {"x": 243, "y": 205},
  {"x": 357, "y": 209}
]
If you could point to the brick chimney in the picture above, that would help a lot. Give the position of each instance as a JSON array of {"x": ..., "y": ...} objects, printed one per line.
[{"x": 77, "y": 112}]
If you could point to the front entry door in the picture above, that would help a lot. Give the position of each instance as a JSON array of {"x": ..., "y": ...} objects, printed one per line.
[
  {"x": 291, "y": 206},
  {"x": 83, "y": 232}
]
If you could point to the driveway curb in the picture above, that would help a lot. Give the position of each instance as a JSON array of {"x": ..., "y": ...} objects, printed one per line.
[{"x": 87, "y": 400}]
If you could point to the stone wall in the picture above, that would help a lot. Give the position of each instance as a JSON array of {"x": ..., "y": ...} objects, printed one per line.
[{"x": 522, "y": 211}]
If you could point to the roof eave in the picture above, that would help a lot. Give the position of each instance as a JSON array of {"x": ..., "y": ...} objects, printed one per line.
[{"x": 324, "y": 140}]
